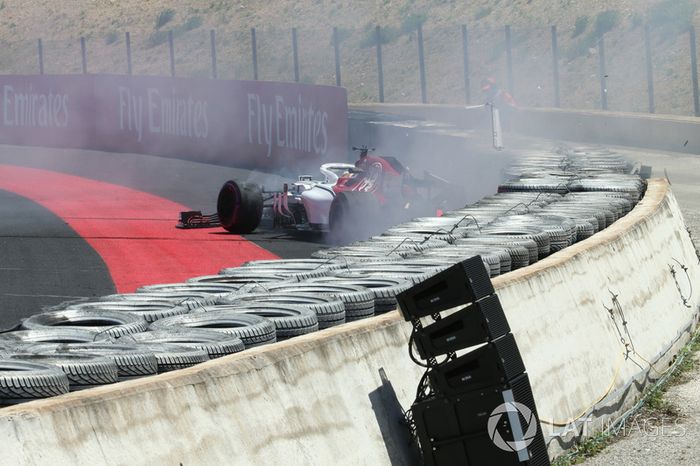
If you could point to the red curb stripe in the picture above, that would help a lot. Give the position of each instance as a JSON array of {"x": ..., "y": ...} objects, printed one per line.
[{"x": 134, "y": 232}]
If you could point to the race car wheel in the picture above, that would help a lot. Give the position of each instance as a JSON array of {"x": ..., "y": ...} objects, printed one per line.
[
  {"x": 239, "y": 207},
  {"x": 354, "y": 216}
]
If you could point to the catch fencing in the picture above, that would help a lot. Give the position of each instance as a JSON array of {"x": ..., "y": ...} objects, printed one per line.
[{"x": 638, "y": 67}]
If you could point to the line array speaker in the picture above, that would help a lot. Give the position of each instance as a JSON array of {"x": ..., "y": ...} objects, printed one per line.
[
  {"x": 464, "y": 429},
  {"x": 462, "y": 283},
  {"x": 474, "y": 324}
]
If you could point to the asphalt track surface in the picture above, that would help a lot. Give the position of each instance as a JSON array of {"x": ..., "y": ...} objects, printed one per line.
[{"x": 87, "y": 223}]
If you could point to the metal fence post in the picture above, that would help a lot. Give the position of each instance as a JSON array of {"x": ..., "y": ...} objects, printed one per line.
[
  {"x": 555, "y": 68},
  {"x": 336, "y": 48},
  {"x": 380, "y": 70},
  {"x": 650, "y": 70},
  {"x": 421, "y": 63},
  {"x": 694, "y": 71},
  {"x": 212, "y": 42},
  {"x": 171, "y": 45},
  {"x": 83, "y": 54},
  {"x": 603, "y": 74},
  {"x": 295, "y": 53},
  {"x": 509, "y": 60},
  {"x": 254, "y": 46},
  {"x": 127, "y": 41},
  {"x": 40, "y": 50},
  {"x": 465, "y": 60}
]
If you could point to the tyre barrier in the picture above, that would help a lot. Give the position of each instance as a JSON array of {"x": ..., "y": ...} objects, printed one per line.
[
  {"x": 239, "y": 278},
  {"x": 384, "y": 289},
  {"x": 289, "y": 320},
  {"x": 555, "y": 199},
  {"x": 187, "y": 298},
  {"x": 251, "y": 329},
  {"x": 132, "y": 361},
  {"x": 214, "y": 343},
  {"x": 298, "y": 269},
  {"x": 148, "y": 310},
  {"x": 54, "y": 335},
  {"x": 329, "y": 310},
  {"x": 211, "y": 288},
  {"x": 83, "y": 370},
  {"x": 112, "y": 323},
  {"x": 172, "y": 357},
  {"x": 358, "y": 300},
  {"x": 22, "y": 381}
]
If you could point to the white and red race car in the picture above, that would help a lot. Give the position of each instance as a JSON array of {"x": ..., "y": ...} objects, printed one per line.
[{"x": 351, "y": 200}]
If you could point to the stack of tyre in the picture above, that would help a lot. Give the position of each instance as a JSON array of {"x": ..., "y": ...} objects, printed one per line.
[{"x": 553, "y": 200}]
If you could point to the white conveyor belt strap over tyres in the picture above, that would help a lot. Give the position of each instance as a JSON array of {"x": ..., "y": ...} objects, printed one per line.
[{"x": 318, "y": 399}]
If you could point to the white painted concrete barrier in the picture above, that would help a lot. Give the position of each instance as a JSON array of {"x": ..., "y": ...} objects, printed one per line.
[{"x": 318, "y": 399}]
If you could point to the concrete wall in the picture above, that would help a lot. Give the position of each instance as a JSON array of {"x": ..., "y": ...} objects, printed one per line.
[
  {"x": 319, "y": 399},
  {"x": 661, "y": 132}
]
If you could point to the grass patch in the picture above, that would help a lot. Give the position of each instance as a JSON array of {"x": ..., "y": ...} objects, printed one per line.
[{"x": 655, "y": 404}]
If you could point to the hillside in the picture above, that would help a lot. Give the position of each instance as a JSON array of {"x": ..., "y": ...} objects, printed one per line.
[{"x": 103, "y": 22}]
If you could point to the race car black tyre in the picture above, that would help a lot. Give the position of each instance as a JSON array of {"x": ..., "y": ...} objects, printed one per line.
[
  {"x": 253, "y": 330},
  {"x": 289, "y": 320},
  {"x": 329, "y": 310},
  {"x": 83, "y": 370},
  {"x": 354, "y": 215},
  {"x": 109, "y": 322},
  {"x": 239, "y": 207},
  {"x": 216, "y": 344},
  {"x": 132, "y": 361},
  {"x": 22, "y": 381}
]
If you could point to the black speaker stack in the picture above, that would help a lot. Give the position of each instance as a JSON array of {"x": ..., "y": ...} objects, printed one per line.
[{"x": 475, "y": 405}]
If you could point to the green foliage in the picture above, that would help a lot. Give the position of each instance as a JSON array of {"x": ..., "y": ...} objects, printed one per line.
[
  {"x": 387, "y": 34},
  {"x": 164, "y": 17},
  {"x": 582, "y": 46},
  {"x": 157, "y": 37},
  {"x": 483, "y": 13},
  {"x": 636, "y": 20},
  {"x": 111, "y": 37},
  {"x": 411, "y": 22},
  {"x": 343, "y": 35},
  {"x": 605, "y": 21},
  {"x": 580, "y": 26},
  {"x": 193, "y": 22},
  {"x": 672, "y": 16}
]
